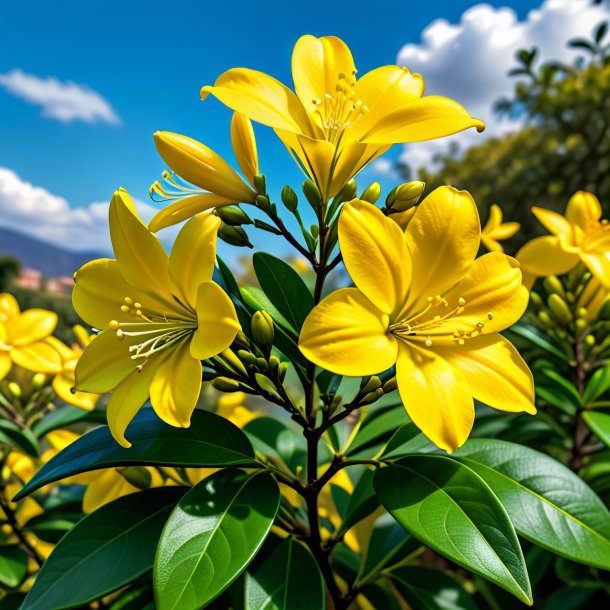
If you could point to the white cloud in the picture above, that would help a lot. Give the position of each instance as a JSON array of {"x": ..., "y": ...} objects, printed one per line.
[
  {"x": 63, "y": 101},
  {"x": 384, "y": 168},
  {"x": 35, "y": 211},
  {"x": 469, "y": 61}
]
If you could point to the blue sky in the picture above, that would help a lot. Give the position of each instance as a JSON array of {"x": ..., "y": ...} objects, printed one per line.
[{"x": 148, "y": 60}]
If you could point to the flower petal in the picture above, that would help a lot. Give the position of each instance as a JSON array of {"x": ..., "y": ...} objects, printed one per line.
[
  {"x": 185, "y": 208},
  {"x": 427, "y": 118},
  {"x": 104, "y": 363},
  {"x": 436, "y": 396},
  {"x": 598, "y": 264},
  {"x": 375, "y": 254},
  {"x": 108, "y": 486},
  {"x": 505, "y": 230},
  {"x": 6, "y": 364},
  {"x": 244, "y": 146},
  {"x": 31, "y": 326},
  {"x": 347, "y": 334},
  {"x": 174, "y": 391},
  {"x": 9, "y": 307},
  {"x": 63, "y": 387},
  {"x": 39, "y": 357},
  {"x": 217, "y": 322},
  {"x": 495, "y": 372},
  {"x": 443, "y": 239},
  {"x": 554, "y": 223},
  {"x": 261, "y": 98},
  {"x": 544, "y": 256},
  {"x": 583, "y": 209},
  {"x": 191, "y": 261}
]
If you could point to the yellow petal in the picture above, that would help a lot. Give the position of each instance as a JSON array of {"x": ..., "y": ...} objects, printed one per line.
[
  {"x": 554, "y": 223},
  {"x": 443, "y": 239},
  {"x": 544, "y": 256},
  {"x": 201, "y": 166},
  {"x": 599, "y": 265},
  {"x": 32, "y": 325},
  {"x": 436, "y": 396},
  {"x": 217, "y": 322},
  {"x": 185, "y": 208},
  {"x": 317, "y": 64},
  {"x": 9, "y": 307},
  {"x": 261, "y": 98},
  {"x": 244, "y": 146},
  {"x": 347, "y": 335},
  {"x": 39, "y": 357},
  {"x": 495, "y": 218},
  {"x": 109, "y": 486},
  {"x": 492, "y": 285},
  {"x": 375, "y": 254},
  {"x": 495, "y": 372},
  {"x": 104, "y": 363},
  {"x": 5, "y": 364},
  {"x": 174, "y": 391},
  {"x": 60, "y": 439},
  {"x": 63, "y": 386},
  {"x": 583, "y": 209},
  {"x": 505, "y": 230},
  {"x": 350, "y": 160},
  {"x": 191, "y": 261},
  {"x": 427, "y": 118},
  {"x": 66, "y": 353},
  {"x": 491, "y": 245},
  {"x": 129, "y": 397}
]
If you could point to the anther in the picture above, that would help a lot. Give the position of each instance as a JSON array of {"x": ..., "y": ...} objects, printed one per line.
[
  {"x": 72, "y": 390},
  {"x": 490, "y": 315},
  {"x": 125, "y": 308},
  {"x": 114, "y": 325},
  {"x": 428, "y": 342},
  {"x": 129, "y": 301},
  {"x": 120, "y": 335},
  {"x": 461, "y": 302}
]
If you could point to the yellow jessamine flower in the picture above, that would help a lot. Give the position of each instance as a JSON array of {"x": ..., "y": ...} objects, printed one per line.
[
  {"x": 423, "y": 303},
  {"x": 336, "y": 124},
  {"x": 23, "y": 338},
  {"x": 231, "y": 407},
  {"x": 217, "y": 182},
  {"x": 160, "y": 317},
  {"x": 580, "y": 235},
  {"x": 496, "y": 231}
]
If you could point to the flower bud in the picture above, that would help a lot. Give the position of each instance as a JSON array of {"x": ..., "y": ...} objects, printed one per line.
[
  {"x": 282, "y": 370},
  {"x": 262, "y": 328},
  {"x": 580, "y": 325},
  {"x": 260, "y": 184},
  {"x": 244, "y": 146},
  {"x": 138, "y": 476},
  {"x": 590, "y": 340},
  {"x": 235, "y": 236},
  {"x": 559, "y": 308},
  {"x": 224, "y": 384},
  {"x": 233, "y": 215},
  {"x": 371, "y": 397},
  {"x": 536, "y": 299},
  {"x": 262, "y": 203},
  {"x": 545, "y": 319},
  {"x": 348, "y": 192},
  {"x": 248, "y": 358},
  {"x": 233, "y": 361},
  {"x": 370, "y": 384},
  {"x": 553, "y": 285},
  {"x": 14, "y": 389},
  {"x": 274, "y": 363},
  {"x": 312, "y": 193},
  {"x": 290, "y": 199},
  {"x": 390, "y": 385},
  {"x": 405, "y": 196},
  {"x": 38, "y": 381},
  {"x": 371, "y": 193}
]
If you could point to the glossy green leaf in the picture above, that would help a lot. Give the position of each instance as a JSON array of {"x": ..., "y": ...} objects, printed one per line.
[
  {"x": 597, "y": 385},
  {"x": 547, "y": 503},
  {"x": 210, "y": 441},
  {"x": 55, "y": 522},
  {"x": 20, "y": 438},
  {"x": 106, "y": 550},
  {"x": 451, "y": 509},
  {"x": 406, "y": 440},
  {"x": 428, "y": 589},
  {"x": 599, "y": 423},
  {"x": 68, "y": 415},
  {"x": 534, "y": 336},
  {"x": 377, "y": 428},
  {"x": 289, "y": 579},
  {"x": 362, "y": 502},
  {"x": 13, "y": 565},
  {"x": 211, "y": 537},
  {"x": 286, "y": 290}
]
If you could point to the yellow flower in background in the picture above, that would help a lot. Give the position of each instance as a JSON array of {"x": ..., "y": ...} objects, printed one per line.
[
  {"x": 592, "y": 298},
  {"x": 217, "y": 182},
  {"x": 580, "y": 235},
  {"x": 232, "y": 407},
  {"x": 336, "y": 124},
  {"x": 423, "y": 303},
  {"x": 23, "y": 338},
  {"x": 160, "y": 317},
  {"x": 496, "y": 231}
]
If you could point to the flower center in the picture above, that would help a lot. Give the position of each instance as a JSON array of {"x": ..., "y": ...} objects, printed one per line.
[
  {"x": 426, "y": 324},
  {"x": 339, "y": 109},
  {"x": 153, "y": 332}
]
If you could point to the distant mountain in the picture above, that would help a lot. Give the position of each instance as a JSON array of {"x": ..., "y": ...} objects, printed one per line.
[{"x": 51, "y": 260}]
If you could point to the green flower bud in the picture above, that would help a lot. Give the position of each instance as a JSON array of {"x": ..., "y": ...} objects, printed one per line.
[
  {"x": 370, "y": 384},
  {"x": 235, "y": 236},
  {"x": 312, "y": 193},
  {"x": 536, "y": 299},
  {"x": 242, "y": 340},
  {"x": 580, "y": 325},
  {"x": 553, "y": 285},
  {"x": 274, "y": 363},
  {"x": 225, "y": 384},
  {"x": 290, "y": 199},
  {"x": 233, "y": 215},
  {"x": 262, "y": 364},
  {"x": 590, "y": 340},
  {"x": 371, "y": 397},
  {"x": 248, "y": 358},
  {"x": 405, "y": 196},
  {"x": 38, "y": 381},
  {"x": 282, "y": 370},
  {"x": 348, "y": 192},
  {"x": 315, "y": 231},
  {"x": 14, "y": 389},
  {"x": 137, "y": 476},
  {"x": 390, "y": 385},
  {"x": 371, "y": 193},
  {"x": 559, "y": 308},
  {"x": 266, "y": 384},
  {"x": 262, "y": 328},
  {"x": 260, "y": 184},
  {"x": 262, "y": 203},
  {"x": 545, "y": 319},
  {"x": 233, "y": 361}
]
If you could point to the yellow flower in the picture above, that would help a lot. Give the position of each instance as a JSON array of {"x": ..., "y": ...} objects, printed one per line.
[
  {"x": 231, "y": 407},
  {"x": 63, "y": 383},
  {"x": 592, "y": 298},
  {"x": 580, "y": 235},
  {"x": 23, "y": 338},
  {"x": 336, "y": 124},
  {"x": 495, "y": 230},
  {"x": 160, "y": 317},
  {"x": 216, "y": 181},
  {"x": 423, "y": 303}
]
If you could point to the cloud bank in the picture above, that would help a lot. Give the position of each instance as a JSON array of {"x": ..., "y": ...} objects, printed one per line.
[{"x": 63, "y": 101}]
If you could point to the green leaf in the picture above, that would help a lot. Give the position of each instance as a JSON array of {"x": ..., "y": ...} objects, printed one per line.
[
  {"x": 547, "y": 503},
  {"x": 13, "y": 565},
  {"x": 428, "y": 589},
  {"x": 212, "y": 536},
  {"x": 378, "y": 426},
  {"x": 211, "y": 441},
  {"x": 12, "y": 601},
  {"x": 106, "y": 550},
  {"x": 286, "y": 290},
  {"x": 535, "y": 337},
  {"x": 598, "y": 385},
  {"x": 568, "y": 389},
  {"x": 362, "y": 502},
  {"x": 21, "y": 438},
  {"x": 452, "y": 510},
  {"x": 289, "y": 579},
  {"x": 599, "y": 423},
  {"x": 600, "y": 31},
  {"x": 406, "y": 440},
  {"x": 67, "y": 416},
  {"x": 55, "y": 522}
]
